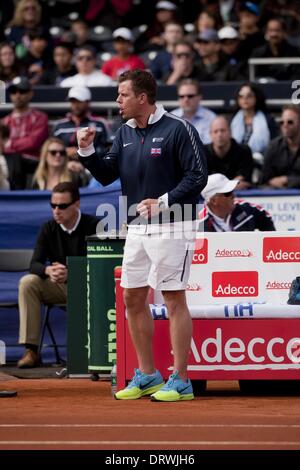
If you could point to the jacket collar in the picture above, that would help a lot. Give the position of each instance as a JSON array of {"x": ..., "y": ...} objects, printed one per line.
[{"x": 153, "y": 118}]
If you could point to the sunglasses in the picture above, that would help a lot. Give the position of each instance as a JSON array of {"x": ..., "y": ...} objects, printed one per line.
[
  {"x": 183, "y": 54},
  {"x": 225, "y": 194},
  {"x": 290, "y": 122},
  {"x": 187, "y": 96},
  {"x": 85, "y": 57},
  {"x": 62, "y": 207},
  {"x": 62, "y": 153}
]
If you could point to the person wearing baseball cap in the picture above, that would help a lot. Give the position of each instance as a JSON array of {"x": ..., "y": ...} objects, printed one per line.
[
  {"x": 79, "y": 115},
  {"x": 21, "y": 84},
  {"x": 249, "y": 32},
  {"x": 124, "y": 58},
  {"x": 166, "y": 6},
  {"x": 28, "y": 129},
  {"x": 214, "y": 65},
  {"x": 230, "y": 45},
  {"x": 224, "y": 213}
]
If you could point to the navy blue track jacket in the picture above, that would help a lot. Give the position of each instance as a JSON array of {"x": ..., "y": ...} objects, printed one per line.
[{"x": 166, "y": 157}]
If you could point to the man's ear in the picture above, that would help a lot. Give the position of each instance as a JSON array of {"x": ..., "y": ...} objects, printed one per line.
[{"x": 143, "y": 98}]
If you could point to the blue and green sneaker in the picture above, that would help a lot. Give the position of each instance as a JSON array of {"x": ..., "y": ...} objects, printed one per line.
[
  {"x": 140, "y": 385},
  {"x": 175, "y": 389}
]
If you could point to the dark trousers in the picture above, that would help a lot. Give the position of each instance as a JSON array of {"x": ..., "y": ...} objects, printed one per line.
[{"x": 20, "y": 171}]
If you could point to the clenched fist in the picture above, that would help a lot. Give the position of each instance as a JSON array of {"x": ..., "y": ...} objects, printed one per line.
[{"x": 85, "y": 136}]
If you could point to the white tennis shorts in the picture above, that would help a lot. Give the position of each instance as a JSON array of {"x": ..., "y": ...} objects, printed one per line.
[{"x": 159, "y": 261}]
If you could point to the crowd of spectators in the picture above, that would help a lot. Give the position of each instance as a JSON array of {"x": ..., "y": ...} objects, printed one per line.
[{"x": 78, "y": 45}]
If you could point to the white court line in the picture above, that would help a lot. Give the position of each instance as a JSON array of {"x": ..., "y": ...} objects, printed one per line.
[
  {"x": 218, "y": 425},
  {"x": 160, "y": 443}
]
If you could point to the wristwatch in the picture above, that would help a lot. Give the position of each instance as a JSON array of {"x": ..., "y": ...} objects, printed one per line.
[{"x": 161, "y": 204}]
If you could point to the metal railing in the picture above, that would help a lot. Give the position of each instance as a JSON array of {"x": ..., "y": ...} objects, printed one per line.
[{"x": 252, "y": 62}]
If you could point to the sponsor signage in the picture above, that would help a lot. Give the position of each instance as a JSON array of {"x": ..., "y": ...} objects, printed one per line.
[
  {"x": 281, "y": 250},
  {"x": 200, "y": 252},
  {"x": 240, "y": 265},
  {"x": 245, "y": 351},
  {"x": 235, "y": 284}
]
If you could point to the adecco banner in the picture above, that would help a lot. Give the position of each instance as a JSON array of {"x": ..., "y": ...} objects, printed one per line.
[
  {"x": 230, "y": 349},
  {"x": 241, "y": 267},
  {"x": 285, "y": 210}
]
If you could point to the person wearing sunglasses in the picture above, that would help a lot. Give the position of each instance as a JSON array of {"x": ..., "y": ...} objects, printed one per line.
[
  {"x": 28, "y": 129},
  {"x": 223, "y": 213},
  {"x": 53, "y": 167},
  {"x": 281, "y": 168},
  {"x": 62, "y": 236},
  {"x": 87, "y": 74},
  {"x": 190, "y": 108}
]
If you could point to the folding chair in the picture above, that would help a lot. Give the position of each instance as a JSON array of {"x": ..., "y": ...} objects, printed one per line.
[
  {"x": 46, "y": 325},
  {"x": 18, "y": 260},
  {"x": 14, "y": 261}
]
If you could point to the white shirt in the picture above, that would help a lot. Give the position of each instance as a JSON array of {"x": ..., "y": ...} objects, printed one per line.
[
  {"x": 70, "y": 230},
  {"x": 95, "y": 78}
]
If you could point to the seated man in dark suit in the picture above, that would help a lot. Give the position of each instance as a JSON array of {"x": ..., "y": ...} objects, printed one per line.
[{"x": 62, "y": 236}]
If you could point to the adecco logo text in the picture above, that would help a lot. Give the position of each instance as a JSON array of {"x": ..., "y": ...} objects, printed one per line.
[
  {"x": 281, "y": 250},
  {"x": 235, "y": 284},
  {"x": 221, "y": 349},
  {"x": 200, "y": 253}
]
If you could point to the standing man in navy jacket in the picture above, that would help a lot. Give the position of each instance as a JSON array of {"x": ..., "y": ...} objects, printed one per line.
[{"x": 161, "y": 163}]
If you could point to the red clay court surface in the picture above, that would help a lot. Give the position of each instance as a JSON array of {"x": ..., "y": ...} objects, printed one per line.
[{"x": 81, "y": 414}]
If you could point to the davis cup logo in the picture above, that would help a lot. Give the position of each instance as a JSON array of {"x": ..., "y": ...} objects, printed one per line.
[
  {"x": 281, "y": 250},
  {"x": 201, "y": 251},
  {"x": 235, "y": 284}
]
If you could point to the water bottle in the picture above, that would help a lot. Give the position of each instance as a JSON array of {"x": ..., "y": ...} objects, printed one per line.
[{"x": 113, "y": 379}]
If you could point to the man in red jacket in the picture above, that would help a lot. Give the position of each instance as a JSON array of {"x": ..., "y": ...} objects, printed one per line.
[{"x": 28, "y": 129}]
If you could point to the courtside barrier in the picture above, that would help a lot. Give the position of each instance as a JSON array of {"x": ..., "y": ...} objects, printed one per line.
[{"x": 243, "y": 328}]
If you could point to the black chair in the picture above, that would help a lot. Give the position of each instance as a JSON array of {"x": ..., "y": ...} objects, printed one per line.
[
  {"x": 14, "y": 261},
  {"x": 18, "y": 260},
  {"x": 47, "y": 326}
]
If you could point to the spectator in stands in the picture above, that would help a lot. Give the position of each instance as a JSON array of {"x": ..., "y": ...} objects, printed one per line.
[
  {"x": 53, "y": 167},
  {"x": 4, "y": 182},
  {"x": 27, "y": 17},
  {"x": 190, "y": 108},
  {"x": 63, "y": 68},
  {"x": 231, "y": 48},
  {"x": 81, "y": 33},
  {"x": 183, "y": 64},
  {"x": 10, "y": 66},
  {"x": 124, "y": 58},
  {"x": 87, "y": 75},
  {"x": 249, "y": 32},
  {"x": 108, "y": 12},
  {"x": 37, "y": 58},
  {"x": 60, "y": 237},
  {"x": 289, "y": 12},
  {"x": 205, "y": 20},
  {"x": 251, "y": 124},
  {"x": 28, "y": 129},
  {"x": 161, "y": 65},
  {"x": 277, "y": 47},
  {"x": 226, "y": 156},
  {"x": 282, "y": 160},
  {"x": 153, "y": 37},
  {"x": 224, "y": 213},
  {"x": 79, "y": 116},
  {"x": 214, "y": 65}
]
